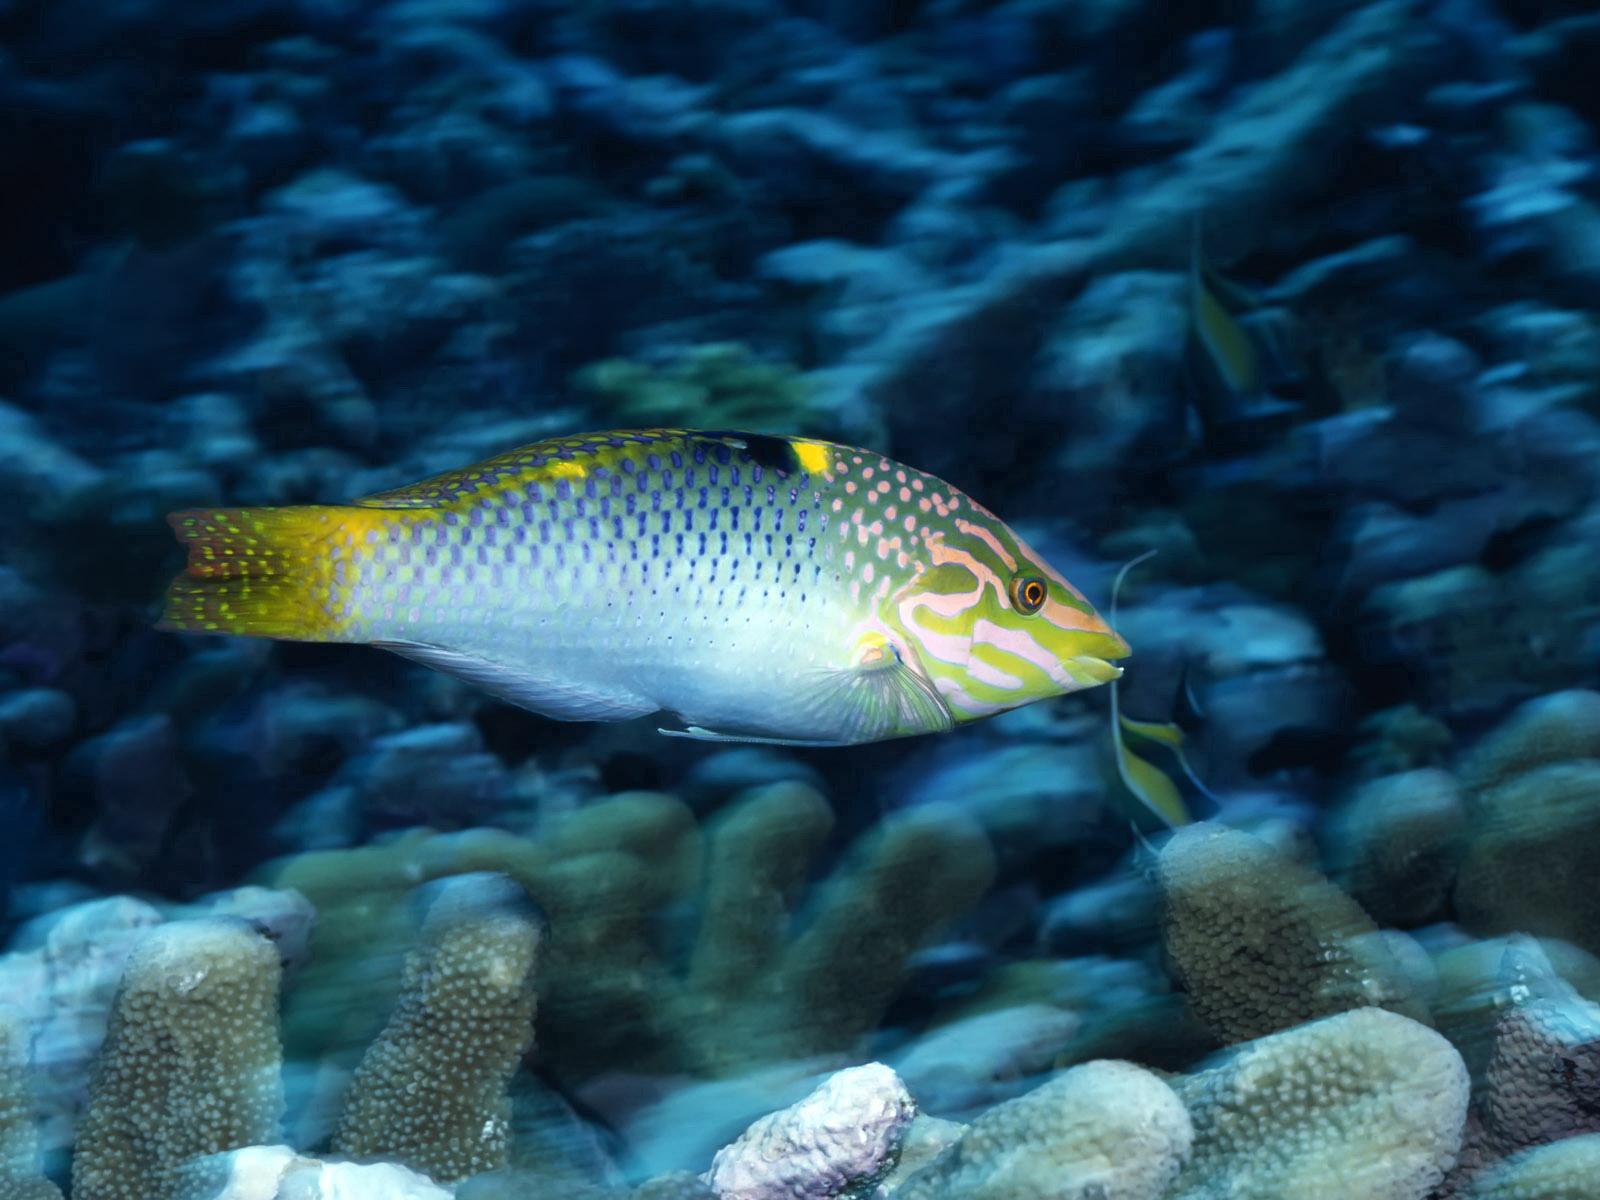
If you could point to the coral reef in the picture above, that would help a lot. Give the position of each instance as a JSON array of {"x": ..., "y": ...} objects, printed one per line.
[
  {"x": 433, "y": 1088},
  {"x": 191, "y": 1062},
  {"x": 1263, "y": 943},
  {"x": 1299, "y": 294},
  {"x": 1102, "y": 1129},
  {"x": 609, "y": 997},
  {"x": 1365, "y": 1103}
]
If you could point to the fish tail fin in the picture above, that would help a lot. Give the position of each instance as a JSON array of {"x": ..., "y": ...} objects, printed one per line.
[{"x": 265, "y": 572}]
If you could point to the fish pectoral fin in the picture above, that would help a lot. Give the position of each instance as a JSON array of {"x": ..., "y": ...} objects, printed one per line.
[
  {"x": 561, "y": 699},
  {"x": 880, "y": 696},
  {"x": 700, "y": 734}
]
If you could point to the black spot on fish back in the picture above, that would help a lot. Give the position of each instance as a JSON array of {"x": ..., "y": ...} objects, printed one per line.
[{"x": 765, "y": 450}]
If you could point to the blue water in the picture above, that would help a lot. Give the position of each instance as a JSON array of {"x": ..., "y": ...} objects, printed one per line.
[{"x": 1301, "y": 296}]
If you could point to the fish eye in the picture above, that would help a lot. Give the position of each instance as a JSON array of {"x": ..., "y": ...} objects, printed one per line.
[{"x": 1028, "y": 594}]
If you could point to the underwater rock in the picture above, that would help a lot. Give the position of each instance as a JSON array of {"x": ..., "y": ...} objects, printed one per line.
[
  {"x": 431, "y": 1091},
  {"x": 304, "y": 731},
  {"x": 1279, "y": 140},
  {"x": 974, "y": 1062},
  {"x": 190, "y": 1064},
  {"x": 1121, "y": 910},
  {"x": 1426, "y": 625},
  {"x": 1395, "y": 843},
  {"x": 1433, "y": 384},
  {"x": 1534, "y": 204},
  {"x": 19, "y": 1139},
  {"x": 36, "y": 718},
  {"x": 136, "y": 783},
  {"x": 1033, "y": 801},
  {"x": 1103, "y": 1129},
  {"x": 842, "y": 1138},
  {"x": 278, "y": 1173},
  {"x": 1367, "y": 1103},
  {"x": 35, "y": 467},
  {"x": 1115, "y": 360},
  {"x": 578, "y": 288},
  {"x": 1262, "y": 942},
  {"x": 438, "y": 775}
]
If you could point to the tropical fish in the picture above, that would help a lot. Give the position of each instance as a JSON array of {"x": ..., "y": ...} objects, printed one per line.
[
  {"x": 1151, "y": 787},
  {"x": 759, "y": 588},
  {"x": 1230, "y": 393}
]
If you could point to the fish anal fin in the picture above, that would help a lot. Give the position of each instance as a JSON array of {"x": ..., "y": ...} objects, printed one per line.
[
  {"x": 701, "y": 734},
  {"x": 549, "y": 696}
]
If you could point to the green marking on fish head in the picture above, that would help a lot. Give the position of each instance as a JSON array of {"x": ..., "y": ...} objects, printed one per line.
[{"x": 995, "y": 626}]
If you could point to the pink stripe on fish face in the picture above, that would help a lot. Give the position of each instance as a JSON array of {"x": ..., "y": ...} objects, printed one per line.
[
  {"x": 987, "y": 536},
  {"x": 1020, "y": 643}
]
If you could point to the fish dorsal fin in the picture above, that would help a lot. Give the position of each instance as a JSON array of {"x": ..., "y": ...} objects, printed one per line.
[
  {"x": 544, "y": 694},
  {"x": 575, "y": 458},
  {"x": 570, "y": 458}
]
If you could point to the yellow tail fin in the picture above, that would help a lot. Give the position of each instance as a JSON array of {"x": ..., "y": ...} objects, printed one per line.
[{"x": 264, "y": 572}]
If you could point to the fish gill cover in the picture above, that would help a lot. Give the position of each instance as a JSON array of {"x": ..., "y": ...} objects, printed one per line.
[{"x": 1299, "y": 295}]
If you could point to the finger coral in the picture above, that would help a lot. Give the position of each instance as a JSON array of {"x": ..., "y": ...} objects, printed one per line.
[
  {"x": 191, "y": 1060},
  {"x": 1102, "y": 1131},
  {"x": 431, "y": 1091},
  {"x": 773, "y": 970},
  {"x": 1263, "y": 943},
  {"x": 1366, "y": 1103}
]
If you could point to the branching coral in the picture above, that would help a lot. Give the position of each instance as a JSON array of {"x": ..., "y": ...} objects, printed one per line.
[
  {"x": 1263, "y": 942},
  {"x": 766, "y": 976},
  {"x": 431, "y": 1090},
  {"x": 720, "y": 385},
  {"x": 1102, "y": 1131},
  {"x": 191, "y": 1060},
  {"x": 1366, "y": 1103}
]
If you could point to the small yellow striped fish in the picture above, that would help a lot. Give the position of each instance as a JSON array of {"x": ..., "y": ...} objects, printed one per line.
[{"x": 759, "y": 588}]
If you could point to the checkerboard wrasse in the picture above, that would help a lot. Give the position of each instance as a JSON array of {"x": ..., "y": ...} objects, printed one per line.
[{"x": 756, "y": 588}]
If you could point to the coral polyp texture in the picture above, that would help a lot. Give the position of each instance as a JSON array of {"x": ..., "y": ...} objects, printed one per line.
[
  {"x": 191, "y": 1062},
  {"x": 1263, "y": 942},
  {"x": 1106, "y": 1130},
  {"x": 1367, "y": 1103},
  {"x": 432, "y": 1089}
]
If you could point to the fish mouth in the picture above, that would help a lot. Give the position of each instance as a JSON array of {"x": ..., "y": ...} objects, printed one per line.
[{"x": 1092, "y": 669}]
